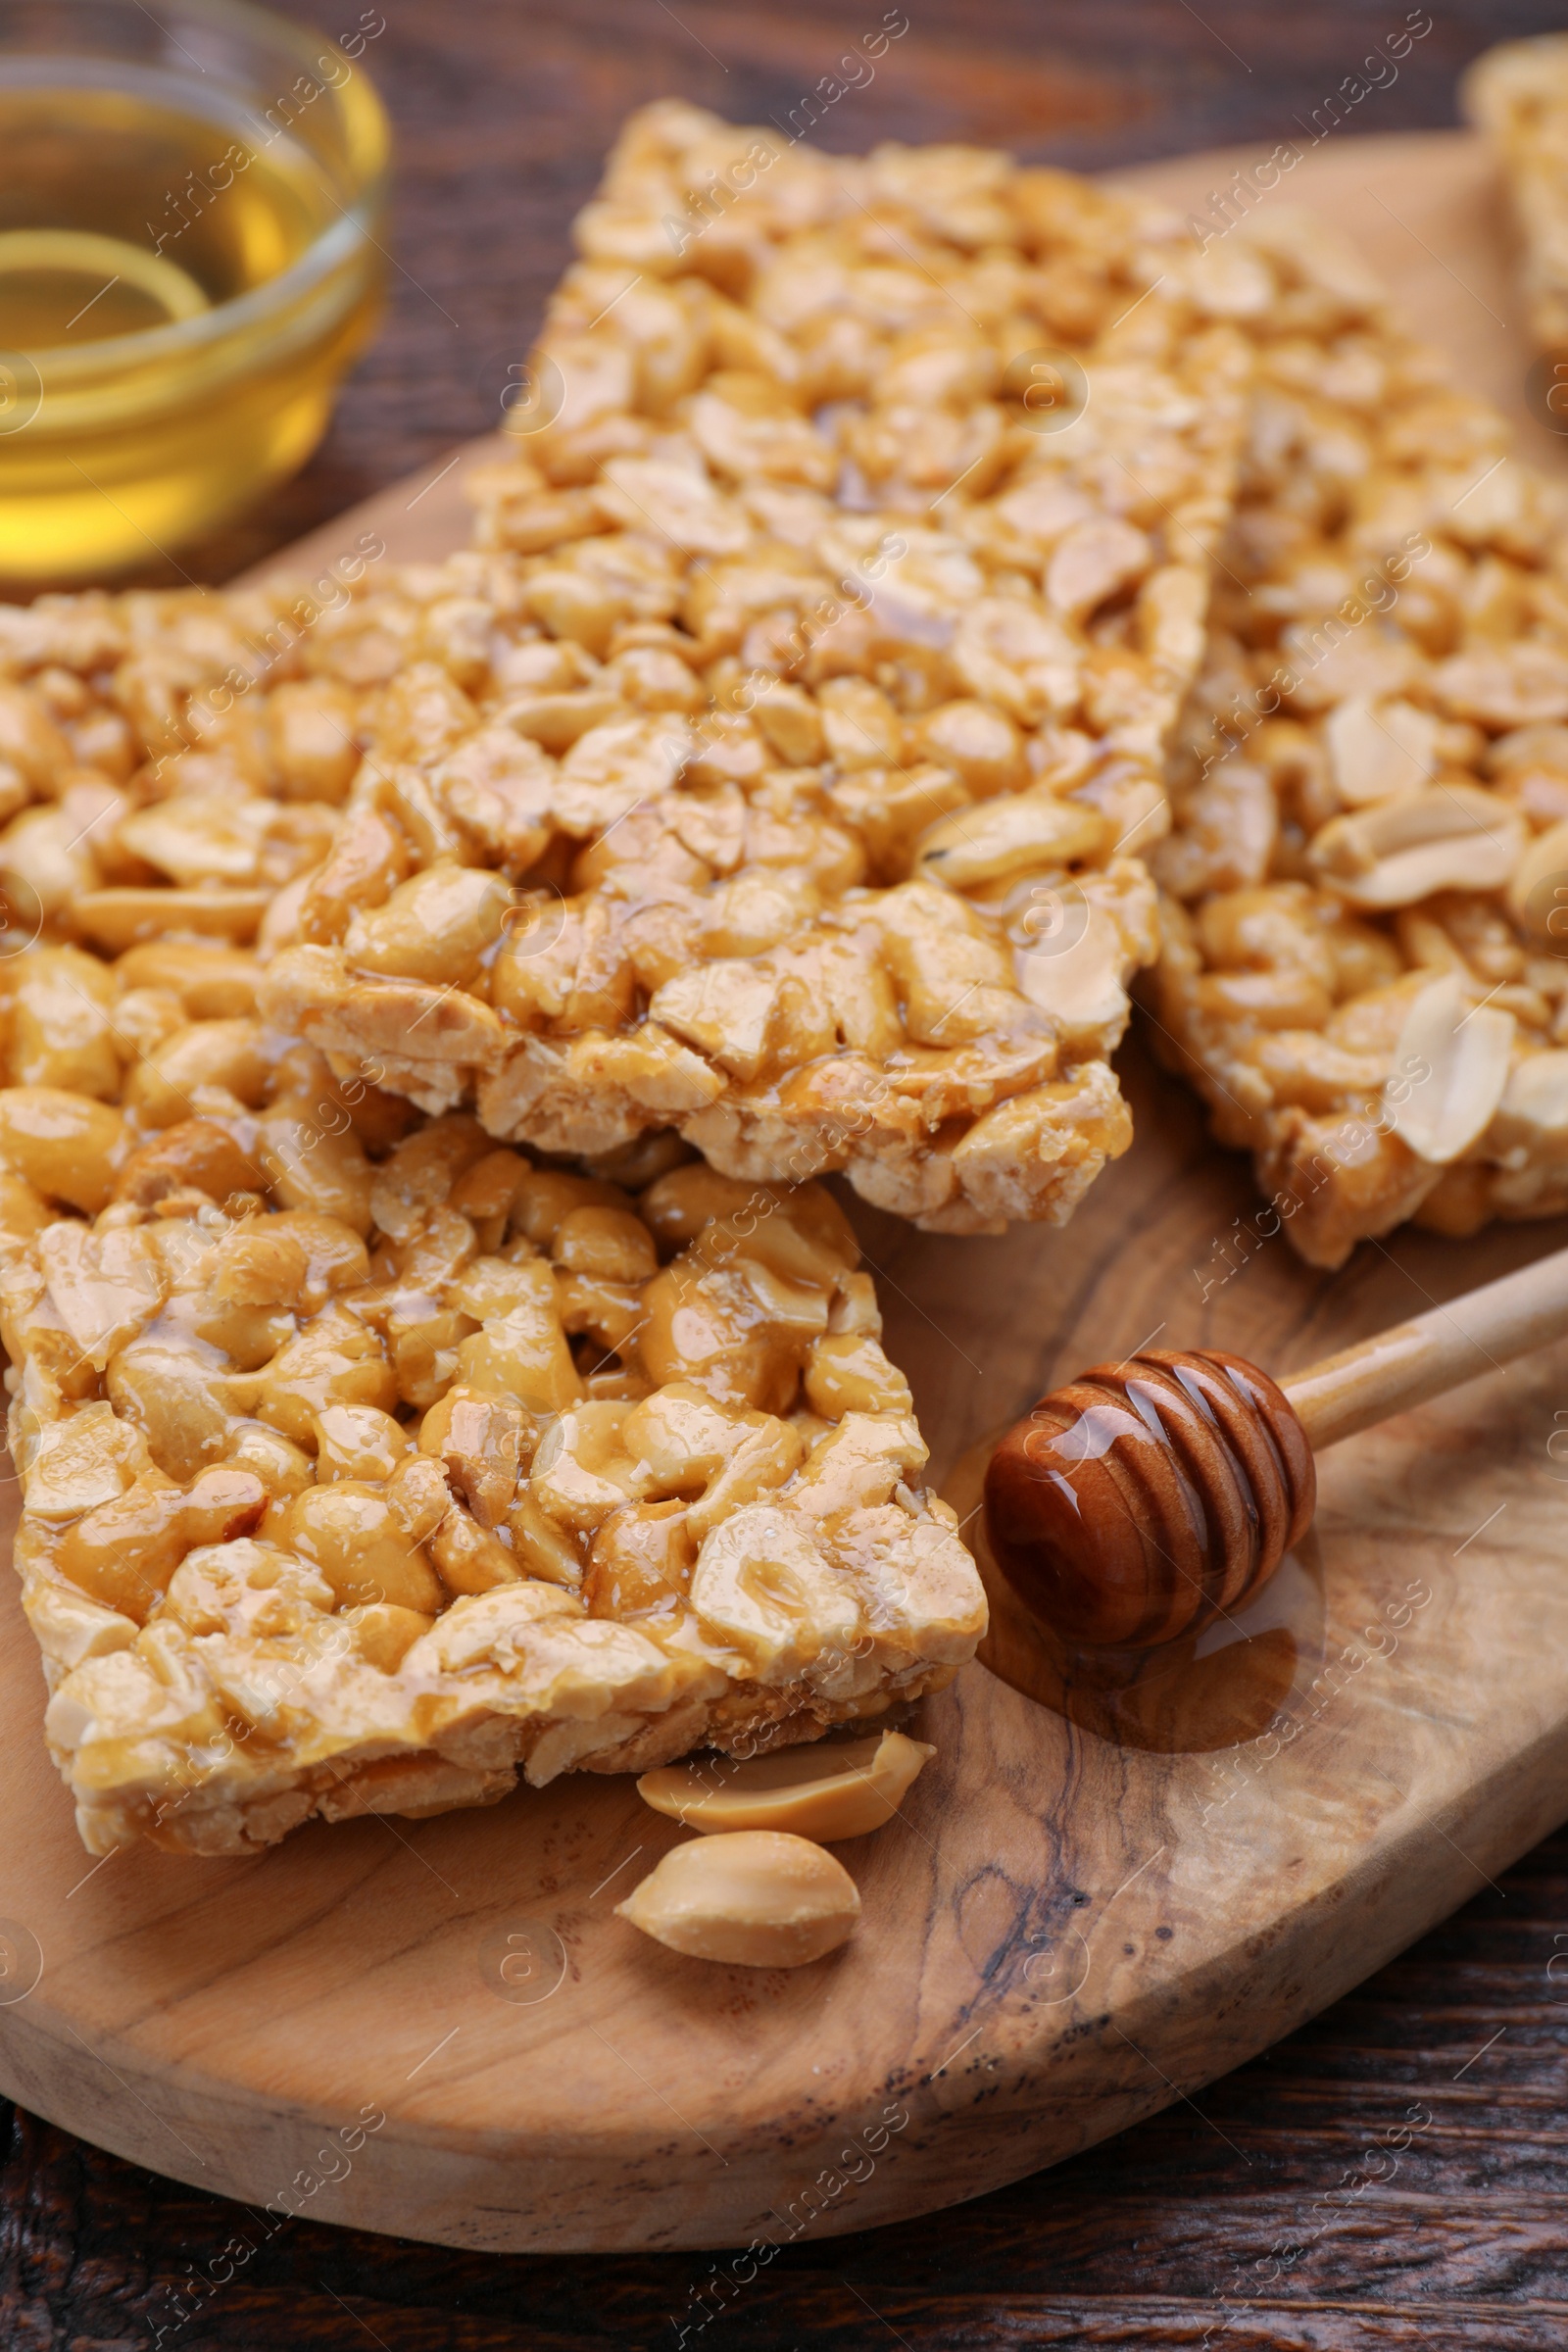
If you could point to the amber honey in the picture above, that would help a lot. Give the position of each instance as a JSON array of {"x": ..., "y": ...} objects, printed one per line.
[{"x": 188, "y": 261}]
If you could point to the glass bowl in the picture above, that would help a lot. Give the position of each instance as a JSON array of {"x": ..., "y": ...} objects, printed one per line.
[{"x": 190, "y": 208}]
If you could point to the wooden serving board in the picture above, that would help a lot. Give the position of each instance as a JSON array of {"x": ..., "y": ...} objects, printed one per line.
[{"x": 1094, "y": 1901}]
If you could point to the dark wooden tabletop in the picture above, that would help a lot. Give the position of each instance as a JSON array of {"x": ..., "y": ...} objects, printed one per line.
[{"x": 1394, "y": 2175}]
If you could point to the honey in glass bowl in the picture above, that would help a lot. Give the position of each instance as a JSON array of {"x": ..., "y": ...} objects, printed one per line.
[{"x": 190, "y": 208}]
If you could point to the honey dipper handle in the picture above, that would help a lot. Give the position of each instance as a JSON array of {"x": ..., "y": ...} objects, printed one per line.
[{"x": 1437, "y": 1350}]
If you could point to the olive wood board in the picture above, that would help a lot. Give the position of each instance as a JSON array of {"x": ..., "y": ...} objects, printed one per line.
[{"x": 1093, "y": 1903}]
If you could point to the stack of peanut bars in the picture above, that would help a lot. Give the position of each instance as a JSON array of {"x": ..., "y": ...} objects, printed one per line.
[{"x": 925, "y": 594}]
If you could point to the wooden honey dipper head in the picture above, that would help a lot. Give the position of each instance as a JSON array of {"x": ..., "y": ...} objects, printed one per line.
[{"x": 1148, "y": 1497}]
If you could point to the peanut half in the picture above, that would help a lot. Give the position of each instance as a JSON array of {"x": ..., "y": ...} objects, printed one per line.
[
  {"x": 826, "y": 1792},
  {"x": 757, "y": 1899}
]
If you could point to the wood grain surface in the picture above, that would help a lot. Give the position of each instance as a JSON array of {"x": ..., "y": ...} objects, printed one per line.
[{"x": 502, "y": 114}]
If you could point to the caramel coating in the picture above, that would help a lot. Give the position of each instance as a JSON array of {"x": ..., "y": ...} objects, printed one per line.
[{"x": 1148, "y": 1497}]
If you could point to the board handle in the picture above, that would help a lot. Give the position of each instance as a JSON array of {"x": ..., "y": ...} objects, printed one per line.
[{"x": 1437, "y": 1350}]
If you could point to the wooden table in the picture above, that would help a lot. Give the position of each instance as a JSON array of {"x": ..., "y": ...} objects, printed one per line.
[{"x": 1392, "y": 2176}]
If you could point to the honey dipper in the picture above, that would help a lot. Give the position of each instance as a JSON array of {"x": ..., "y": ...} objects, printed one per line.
[{"x": 1151, "y": 1496}]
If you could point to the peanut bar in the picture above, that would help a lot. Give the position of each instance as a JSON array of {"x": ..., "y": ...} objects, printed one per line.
[
  {"x": 366, "y": 1462},
  {"x": 807, "y": 686},
  {"x": 1365, "y": 911}
]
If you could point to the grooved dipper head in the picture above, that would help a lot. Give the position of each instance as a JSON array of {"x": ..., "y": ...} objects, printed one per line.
[{"x": 1149, "y": 1496}]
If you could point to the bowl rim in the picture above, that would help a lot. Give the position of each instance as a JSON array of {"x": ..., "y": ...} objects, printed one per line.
[{"x": 326, "y": 252}]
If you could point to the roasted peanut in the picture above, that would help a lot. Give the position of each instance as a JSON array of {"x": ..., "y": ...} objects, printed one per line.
[
  {"x": 65, "y": 1146},
  {"x": 192, "y": 1154},
  {"x": 759, "y": 1899},
  {"x": 348, "y": 1530},
  {"x": 435, "y": 927},
  {"x": 63, "y": 1030},
  {"x": 312, "y": 723},
  {"x": 823, "y": 1792},
  {"x": 125, "y": 1553},
  {"x": 229, "y": 1057},
  {"x": 358, "y": 1441},
  {"x": 332, "y": 1360}
]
